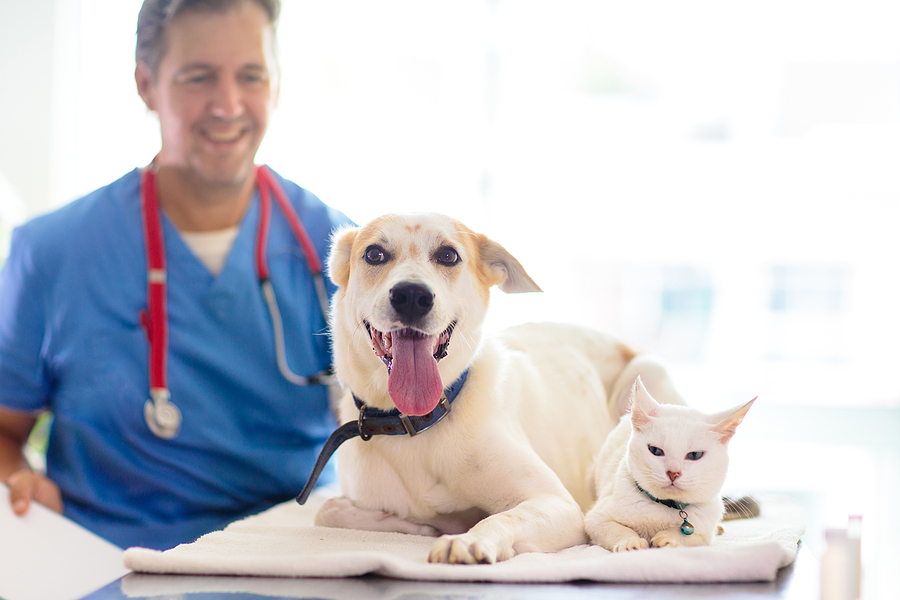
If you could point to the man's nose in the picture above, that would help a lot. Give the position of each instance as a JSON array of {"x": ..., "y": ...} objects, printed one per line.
[{"x": 227, "y": 102}]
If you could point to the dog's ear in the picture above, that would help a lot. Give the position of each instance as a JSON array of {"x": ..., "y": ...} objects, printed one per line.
[
  {"x": 339, "y": 256},
  {"x": 507, "y": 272}
]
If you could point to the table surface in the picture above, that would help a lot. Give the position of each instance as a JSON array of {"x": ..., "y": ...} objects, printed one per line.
[{"x": 799, "y": 581}]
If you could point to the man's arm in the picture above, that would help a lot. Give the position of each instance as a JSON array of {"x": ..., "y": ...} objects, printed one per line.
[{"x": 24, "y": 484}]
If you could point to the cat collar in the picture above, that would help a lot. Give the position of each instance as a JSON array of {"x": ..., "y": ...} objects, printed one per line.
[
  {"x": 381, "y": 422},
  {"x": 686, "y": 527}
]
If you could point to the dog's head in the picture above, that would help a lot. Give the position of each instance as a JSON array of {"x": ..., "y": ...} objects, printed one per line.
[{"x": 409, "y": 284}]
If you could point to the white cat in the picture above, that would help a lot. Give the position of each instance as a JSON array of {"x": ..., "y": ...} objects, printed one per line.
[{"x": 658, "y": 476}]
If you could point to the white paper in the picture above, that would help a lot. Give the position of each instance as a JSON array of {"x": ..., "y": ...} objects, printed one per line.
[{"x": 45, "y": 556}]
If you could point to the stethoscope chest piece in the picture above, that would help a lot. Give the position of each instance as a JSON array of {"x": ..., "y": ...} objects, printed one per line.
[{"x": 163, "y": 418}]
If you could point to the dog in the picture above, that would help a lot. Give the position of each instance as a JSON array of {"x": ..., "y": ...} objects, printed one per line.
[{"x": 503, "y": 467}]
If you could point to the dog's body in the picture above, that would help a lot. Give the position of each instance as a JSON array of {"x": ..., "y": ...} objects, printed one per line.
[{"x": 506, "y": 470}]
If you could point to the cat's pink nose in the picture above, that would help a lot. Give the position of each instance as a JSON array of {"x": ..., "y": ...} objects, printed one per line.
[{"x": 673, "y": 475}]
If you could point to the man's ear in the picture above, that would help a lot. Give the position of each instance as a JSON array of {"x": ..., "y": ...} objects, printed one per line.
[
  {"x": 275, "y": 90},
  {"x": 339, "y": 256},
  {"x": 146, "y": 85}
]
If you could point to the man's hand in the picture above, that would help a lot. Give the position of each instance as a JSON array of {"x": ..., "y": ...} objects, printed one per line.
[{"x": 25, "y": 487}]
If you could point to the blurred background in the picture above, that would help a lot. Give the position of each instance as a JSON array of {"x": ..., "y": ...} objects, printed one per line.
[{"x": 715, "y": 182}]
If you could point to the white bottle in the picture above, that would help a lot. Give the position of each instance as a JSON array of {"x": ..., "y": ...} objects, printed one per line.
[{"x": 841, "y": 564}]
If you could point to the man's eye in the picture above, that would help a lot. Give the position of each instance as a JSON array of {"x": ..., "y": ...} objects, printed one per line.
[
  {"x": 376, "y": 255},
  {"x": 195, "y": 76},
  {"x": 253, "y": 78},
  {"x": 447, "y": 256}
]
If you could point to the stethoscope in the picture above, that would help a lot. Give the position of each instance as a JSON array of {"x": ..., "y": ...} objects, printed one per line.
[{"x": 162, "y": 416}]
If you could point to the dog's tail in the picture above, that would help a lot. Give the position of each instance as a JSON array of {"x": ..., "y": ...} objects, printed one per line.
[{"x": 654, "y": 376}]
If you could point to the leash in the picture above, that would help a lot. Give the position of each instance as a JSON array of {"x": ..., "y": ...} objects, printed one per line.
[
  {"x": 686, "y": 527},
  {"x": 372, "y": 422}
]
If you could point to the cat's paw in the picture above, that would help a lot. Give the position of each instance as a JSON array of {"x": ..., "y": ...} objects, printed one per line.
[
  {"x": 632, "y": 543},
  {"x": 466, "y": 549},
  {"x": 667, "y": 538}
]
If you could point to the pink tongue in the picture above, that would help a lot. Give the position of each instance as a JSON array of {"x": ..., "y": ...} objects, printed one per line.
[{"x": 414, "y": 383}]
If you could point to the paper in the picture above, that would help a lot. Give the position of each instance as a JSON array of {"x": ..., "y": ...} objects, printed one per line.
[{"x": 44, "y": 555}]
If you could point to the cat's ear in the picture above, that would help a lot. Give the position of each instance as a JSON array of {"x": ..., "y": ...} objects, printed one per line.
[
  {"x": 726, "y": 422},
  {"x": 643, "y": 406}
]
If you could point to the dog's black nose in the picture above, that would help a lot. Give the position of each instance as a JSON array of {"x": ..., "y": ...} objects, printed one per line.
[{"x": 412, "y": 301}]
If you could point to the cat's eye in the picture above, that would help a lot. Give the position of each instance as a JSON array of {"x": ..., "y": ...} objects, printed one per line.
[
  {"x": 656, "y": 451},
  {"x": 694, "y": 455}
]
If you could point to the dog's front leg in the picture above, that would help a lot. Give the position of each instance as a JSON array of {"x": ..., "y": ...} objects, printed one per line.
[
  {"x": 544, "y": 523},
  {"x": 342, "y": 512}
]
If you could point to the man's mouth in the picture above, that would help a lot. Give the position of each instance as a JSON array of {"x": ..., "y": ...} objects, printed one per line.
[
  {"x": 223, "y": 135},
  {"x": 383, "y": 342}
]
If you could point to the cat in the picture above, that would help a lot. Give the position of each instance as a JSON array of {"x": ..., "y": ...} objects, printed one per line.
[{"x": 658, "y": 476}]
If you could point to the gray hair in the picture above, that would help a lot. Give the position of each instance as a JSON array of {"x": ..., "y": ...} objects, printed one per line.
[{"x": 157, "y": 15}]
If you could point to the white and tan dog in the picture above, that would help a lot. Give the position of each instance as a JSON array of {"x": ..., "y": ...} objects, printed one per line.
[{"x": 504, "y": 471}]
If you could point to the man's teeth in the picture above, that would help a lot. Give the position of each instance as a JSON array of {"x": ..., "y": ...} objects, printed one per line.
[{"x": 224, "y": 136}]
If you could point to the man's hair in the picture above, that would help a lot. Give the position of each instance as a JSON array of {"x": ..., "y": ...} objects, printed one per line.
[{"x": 157, "y": 15}]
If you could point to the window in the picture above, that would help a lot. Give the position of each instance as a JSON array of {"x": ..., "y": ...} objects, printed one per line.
[
  {"x": 664, "y": 175},
  {"x": 807, "y": 311}
]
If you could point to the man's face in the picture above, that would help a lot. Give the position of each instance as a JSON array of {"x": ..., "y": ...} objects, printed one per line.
[{"x": 215, "y": 87}]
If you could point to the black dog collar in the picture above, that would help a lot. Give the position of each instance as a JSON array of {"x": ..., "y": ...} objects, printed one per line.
[{"x": 380, "y": 422}]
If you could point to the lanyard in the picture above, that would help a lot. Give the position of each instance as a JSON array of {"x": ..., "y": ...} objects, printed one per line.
[{"x": 163, "y": 417}]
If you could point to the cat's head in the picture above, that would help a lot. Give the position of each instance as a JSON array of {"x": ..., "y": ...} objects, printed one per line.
[{"x": 676, "y": 452}]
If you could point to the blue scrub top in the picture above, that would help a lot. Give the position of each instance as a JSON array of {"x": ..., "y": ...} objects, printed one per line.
[{"x": 71, "y": 342}]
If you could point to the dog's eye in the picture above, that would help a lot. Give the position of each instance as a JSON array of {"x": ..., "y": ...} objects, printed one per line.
[
  {"x": 694, "y": 455},
  {"x": 376, "y": 255},
  {"x": 447, "y": 256},
  {"x": 656, "y": 451}
]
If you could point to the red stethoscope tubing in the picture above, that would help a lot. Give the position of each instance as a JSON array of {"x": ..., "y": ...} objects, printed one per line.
[
  {"x": 155, "y": 319},
  {"x": 265, "y": 180},
  {"x": 157, "y": 322}
]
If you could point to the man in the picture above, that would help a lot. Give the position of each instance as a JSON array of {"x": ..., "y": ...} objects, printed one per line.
[{"x": 76, "y": 314}]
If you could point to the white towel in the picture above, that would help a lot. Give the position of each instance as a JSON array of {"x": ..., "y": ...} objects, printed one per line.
[{"x": 282, "y": 543}]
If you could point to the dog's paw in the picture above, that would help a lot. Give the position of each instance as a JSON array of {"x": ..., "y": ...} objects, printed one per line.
[
  {"x": 465, "y": 549},
  {"x": 667, "y": 538},
  {"x": 632, "y": 543},
  {"x": 341, "y": 512}
]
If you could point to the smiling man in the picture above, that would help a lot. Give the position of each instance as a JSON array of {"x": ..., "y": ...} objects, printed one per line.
[
  {"x": 150, "y": 287},
  {"x": 213, "y": 90}
]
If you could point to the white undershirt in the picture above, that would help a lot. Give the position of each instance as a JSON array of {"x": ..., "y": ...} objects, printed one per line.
[{"x": 211, "y": 247}]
